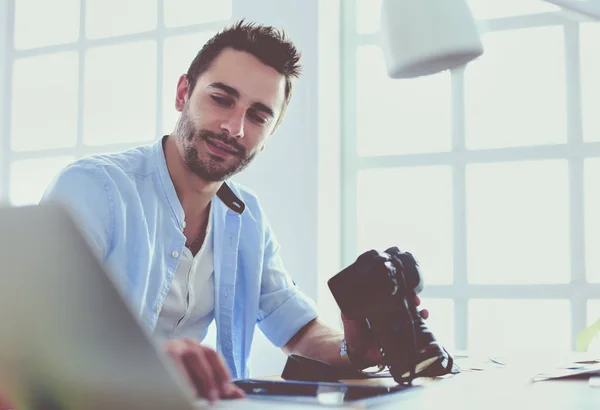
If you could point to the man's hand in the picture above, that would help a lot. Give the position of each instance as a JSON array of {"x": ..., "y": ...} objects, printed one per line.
[
  {"x": 361, "y": 342},
  {"x": 204, "y": 368}
]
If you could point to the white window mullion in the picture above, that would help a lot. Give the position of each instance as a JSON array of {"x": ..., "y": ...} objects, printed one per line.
[
  {"x": 160, "y": 51},
  {"x": 52, "y": 49},
  {"x": 348, "y": 131},
  {"x": 510, "y": 154},
  {"x": 573, "y": 79},
  {"x": 576, "y": 177},
  {"x": 79, "y": 146},
  {"x": 577, "y": 249},
  {"x": 122, "y": 38},
  {"x": 459, "y": 216},
  {"x": 566, "y": 291},
  {"x": 7, "y": 13},
  {"x": 526, "y": 21}
]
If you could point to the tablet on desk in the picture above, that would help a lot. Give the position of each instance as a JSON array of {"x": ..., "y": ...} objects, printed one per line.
[{"x": 321, "y": 393}]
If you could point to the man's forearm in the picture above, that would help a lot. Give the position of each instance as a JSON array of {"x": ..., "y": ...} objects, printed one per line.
[{"x": 318, "y": 341}]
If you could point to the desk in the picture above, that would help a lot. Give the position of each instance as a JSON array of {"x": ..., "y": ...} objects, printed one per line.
[{"x": 499, "y": 388}]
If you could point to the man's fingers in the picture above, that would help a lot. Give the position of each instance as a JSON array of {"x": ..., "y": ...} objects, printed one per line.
[
  {"x": 220, "y": 371},
  {"x": 423, "y": 312},
  {"x": 205, "y": 370},
  {"x": 176, "y": 356},
  {"x": 199, "y": 369},
  {"x": 235, "y": 392}
]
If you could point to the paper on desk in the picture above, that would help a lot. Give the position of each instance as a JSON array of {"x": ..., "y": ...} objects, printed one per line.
[
  {"x": 581, "y": 369},
  {"x": 477, "y": 362}
]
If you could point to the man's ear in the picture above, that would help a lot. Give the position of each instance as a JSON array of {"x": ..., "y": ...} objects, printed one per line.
[{"x": 181, "y": 95}]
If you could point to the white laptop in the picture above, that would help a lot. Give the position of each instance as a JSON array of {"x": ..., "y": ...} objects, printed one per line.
[{"x": 68, "y": 340}]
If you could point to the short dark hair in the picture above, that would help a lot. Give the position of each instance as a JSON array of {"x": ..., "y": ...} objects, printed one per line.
[{"x": 266, "y": 43}]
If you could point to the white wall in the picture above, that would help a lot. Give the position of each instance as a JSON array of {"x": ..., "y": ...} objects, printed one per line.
[
  {"x": 4, "y": 26},
  {"x": 286, "y": 174}
]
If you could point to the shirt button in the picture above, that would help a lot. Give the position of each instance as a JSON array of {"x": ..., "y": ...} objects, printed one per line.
[
  {"x": 183, "y": 225},
  {"x": 175, "y": 254},
  {"x": 158, "y": 308}
]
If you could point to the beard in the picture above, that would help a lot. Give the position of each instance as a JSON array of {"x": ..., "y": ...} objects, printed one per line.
[{"x": 210, "y": 167}]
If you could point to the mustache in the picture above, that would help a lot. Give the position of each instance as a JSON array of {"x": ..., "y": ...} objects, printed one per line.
[{"x": 231, "y": 143}]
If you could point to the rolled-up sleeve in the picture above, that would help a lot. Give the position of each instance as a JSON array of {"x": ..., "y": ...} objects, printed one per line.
[{"x": 284, "y": 309}]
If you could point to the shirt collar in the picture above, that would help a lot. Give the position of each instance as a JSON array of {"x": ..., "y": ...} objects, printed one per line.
[{"x": 225, "y": 193}]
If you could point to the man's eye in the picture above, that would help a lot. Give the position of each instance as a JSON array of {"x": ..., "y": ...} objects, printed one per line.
[
  {"x": 257, "y": 118},
  {"x": 224, "y": 102}
]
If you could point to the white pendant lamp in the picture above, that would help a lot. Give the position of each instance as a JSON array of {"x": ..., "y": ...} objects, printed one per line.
[
  {"x": 423, "y": 37},
  {"x": 585, "y": 8}
]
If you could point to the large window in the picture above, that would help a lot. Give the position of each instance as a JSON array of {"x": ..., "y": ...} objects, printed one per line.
[
  {"x": 489, "y": 174},
  {"x": 91, "y": 76}
]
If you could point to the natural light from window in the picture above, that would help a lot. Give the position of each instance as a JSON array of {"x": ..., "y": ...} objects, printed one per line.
[
  {"x": 108, "y": 82},
  {"x": 489, "y": 174}
]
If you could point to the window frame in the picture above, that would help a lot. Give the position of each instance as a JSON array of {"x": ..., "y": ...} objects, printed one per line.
[
  {"x": 579, "y": 290},
  {"x": 10, "y": 55}
]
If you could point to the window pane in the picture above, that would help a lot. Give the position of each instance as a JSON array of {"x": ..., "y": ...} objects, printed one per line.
[
  {"x": 498, "y": 325},
  {"x": 30, "y": 178},
  {"x": 590, "y": 80},
  {"x": 108, "y": 18},
  {"x": 593, "y": 311},
  {"x": 488, "y": 9},
  {"x": 44, "y": 104},
  {"x": 410, "y": 208},
  {"x": 592, "y": 218},
  {"x": 368, "y": 15},
  {"x": 441, "y": 320},
  {"x": 188, "y": 12},
  {"x": 400, "y": 116},
  {"x": 120, "y": 94},
  {"x": 179, "y": 52},
  {"x": 518, "y": 222},
  {"x": 33, "y": 28},
  {"x": 514, "y": 96}
]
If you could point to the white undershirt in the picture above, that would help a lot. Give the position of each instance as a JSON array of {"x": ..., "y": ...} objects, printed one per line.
[{"x": 188, "y": 309}]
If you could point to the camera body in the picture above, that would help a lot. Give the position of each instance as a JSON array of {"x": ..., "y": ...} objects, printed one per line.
[{"x": 380, "y": 288}]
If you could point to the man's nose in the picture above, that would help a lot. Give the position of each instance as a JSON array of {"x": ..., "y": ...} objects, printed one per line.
[{"x": 234, "y": 123}]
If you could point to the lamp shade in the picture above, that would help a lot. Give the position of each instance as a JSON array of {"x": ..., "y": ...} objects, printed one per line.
[
  {"x": 580, "y": 8},
  {"x": 423, "y": 37}
]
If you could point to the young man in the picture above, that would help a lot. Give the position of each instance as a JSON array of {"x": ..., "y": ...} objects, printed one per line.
[{"x": 187, "y": 247}]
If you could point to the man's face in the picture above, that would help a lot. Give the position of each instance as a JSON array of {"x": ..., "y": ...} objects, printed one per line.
[{"x": 231, "y": 112}]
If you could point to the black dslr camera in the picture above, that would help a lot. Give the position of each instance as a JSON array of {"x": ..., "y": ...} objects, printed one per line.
[{"x": 380, "y": 288}]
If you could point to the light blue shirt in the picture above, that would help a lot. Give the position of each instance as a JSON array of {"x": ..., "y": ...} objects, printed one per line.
[{"x": 127, "y": 205}]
